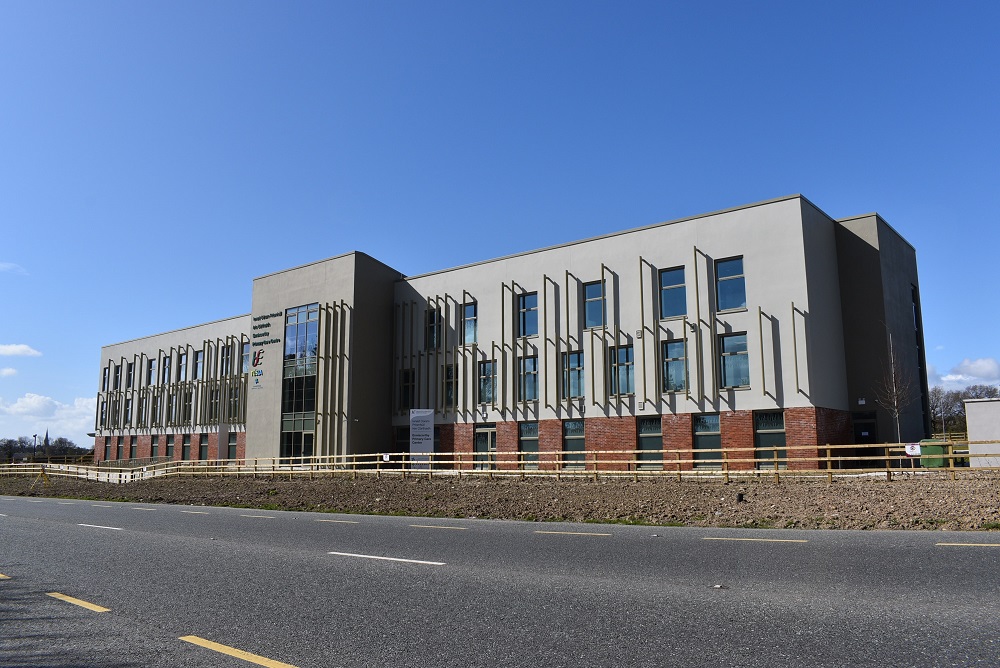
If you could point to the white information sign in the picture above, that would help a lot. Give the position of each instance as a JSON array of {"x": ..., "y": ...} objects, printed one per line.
[
  {"x": 421, "y": 436},
  {"x": 912, "y": 449}
]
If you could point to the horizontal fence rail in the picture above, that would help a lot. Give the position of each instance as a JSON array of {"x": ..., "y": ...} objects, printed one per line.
[{"x": 947, "y": 458}]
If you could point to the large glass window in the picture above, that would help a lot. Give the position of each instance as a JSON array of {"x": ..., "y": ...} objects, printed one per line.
[
  {"x": 734, "y": 362},
  {"x": 407, "y": 389},
  {"x": 470, "y": 323},
  {"x": 621, "y": 370},
  {"x": 166, "y": 370},
  {"x": 199, "y": 364},
  {"x": 527, "y": 378},
  {"x": 186, "y": 447},
  {"x": 707, "y": 437},
  {"x": 650, "y": 441},
  {"x": 132, "y": 447},
  {"x": 203, "y": 447},
  {"x": 246, "y": 356},
  {"x": 154, "y": 446},
  {"x": 572, "y": 367},
  {"x": 769, "y": 439},
  {"x": 673, "y": 301},
  {"x": 130, "y": 375},
  {"x": 182, "y": 365},
  {"x": 151, "y": 372},
  {"x": 674, "y": 355},
  {"x": 730, "y": 285},
  {"x": 593, "y": 304},
  {"x": 298, "y": 389},
  {"x": 432, "y": 329},
  {"x": 527, "y": 314},
  {"x": 231, "y": 452},
  {"x": 170, "y": 446},
  {"x": 104, "y": 380},
  {"x": 450, "y": 386},
  {"x": 118, "y": 377},
  {"x": 527, "y": 443},
  {"x": 574, "y": 444},
  {"x": 487, "y": 382}
]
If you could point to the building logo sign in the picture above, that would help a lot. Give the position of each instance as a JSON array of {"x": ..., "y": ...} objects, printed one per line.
[{"x": 262, "y": 337}]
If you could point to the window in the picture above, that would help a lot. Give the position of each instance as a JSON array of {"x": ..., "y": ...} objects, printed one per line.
[
  {"x": 151, "y": 372},
  {"x": 649, "y": 440},
  {"x": 187, "y": 406},
  {"x": 225, "y": 357},
  {"x": 673, "y": 301},
  {"x": 104, "y": 413},
  {"x": 527, "y": 444},
  {"x": 154, "y": 446},
  {"x": 170, "y": 446},
  {"x": 299, "y": 382},
  {"x": 154, "y": 410},
  {"x": 450, "y": 385},
  {"x": 674, "y": 366},
  {"x": 132, "y": 447},
  {"x": 186, "y": 447},
  {"x": 470, "y": 324},
  {"x": 120, "y": 440},
  {"x": 621, "y": 370},
  {"x": 527, "y": 314},
  {"x": 769, "y": 439},
  {"x": 129, "y": 375},
  {"x": 487, "y": 382},
  {"x": 199, "y": 365},
  {"x": 166, "y": 370},
  {"x": 182, "y": 366},
  {"x": 572, "y": 366},
  {"x": 213, "y": 404},
  {"x": 203, "y": 447},
  {"x": 246, "y": 355},
  {"x": 141, "y": 409},
  {"x": 707, "y": 437},
  {"x": 593, "y": 304},
  {"x": 118, "y": 377},
  {"x": 104, "y": 379},
  {"x": 407, "y": 389},
  {"x": 730, "y": 285},
  {"x": 231, "y": 454},
  {"x": 734, "y": 364},
  {"x": 574, "y": 444},
  {"x": 127, "y": 419},
  {"x": 432, "y": 329},
  {"x": 108, "y": 452},
  {"x": 527, "y": 378}
]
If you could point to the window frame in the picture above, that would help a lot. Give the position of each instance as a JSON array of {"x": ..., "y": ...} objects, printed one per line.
[
  {"x": 666, "y": 362},
  {"x": 569, "y": 371},
  {"x": 616, "y": 366},
  {"x": 673, "y": 288},
  {"x": 470, "y": 321},
  {"x": 721, "y": 281},
  {"x": 725, "y": 355},
  {"x": 527, "y": 314},
  {"x": 527, "y": 370},
  {"x": 587, "y": 299},
  {"x": 490, "y": 376}
]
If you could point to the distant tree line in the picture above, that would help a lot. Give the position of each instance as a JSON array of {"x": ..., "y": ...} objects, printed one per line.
[
  {"x": 948, "y": 409},
  {"x": 23, "y": 447}
]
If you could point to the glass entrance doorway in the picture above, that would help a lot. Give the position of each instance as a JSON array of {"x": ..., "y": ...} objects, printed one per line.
[{"x": 485, "y": 447}]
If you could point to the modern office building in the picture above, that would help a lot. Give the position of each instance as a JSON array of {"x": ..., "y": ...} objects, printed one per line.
[{"x": 752, "y": 329}]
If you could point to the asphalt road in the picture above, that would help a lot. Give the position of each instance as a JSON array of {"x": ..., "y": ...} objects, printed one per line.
[{"x": 310, "y": 590}]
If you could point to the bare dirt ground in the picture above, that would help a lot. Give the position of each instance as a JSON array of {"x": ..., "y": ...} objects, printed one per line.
[{"x": 909, "y": 501}]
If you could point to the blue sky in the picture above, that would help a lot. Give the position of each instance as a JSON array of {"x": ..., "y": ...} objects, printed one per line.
[{"x": 156, "y": 156}]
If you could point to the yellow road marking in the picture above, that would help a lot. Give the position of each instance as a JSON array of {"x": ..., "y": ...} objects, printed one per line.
[
  {"x": 340, "y": 521},
  {"x": 968, "y": 544},
  {"x": 761, "y": 540},
  {"x": 574, "y": 533},
  {"x": 194, "y": 512},
  {"x": 238, "y": 653},
  {"x": 263, "y": 517},
  {"x": 4, "y": 577},
  {"x": 76, "y": 601},
  {"x": 431, "y": 526}
]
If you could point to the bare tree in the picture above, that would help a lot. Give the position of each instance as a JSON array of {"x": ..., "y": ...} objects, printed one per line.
[{"x": 896, "y": 389}]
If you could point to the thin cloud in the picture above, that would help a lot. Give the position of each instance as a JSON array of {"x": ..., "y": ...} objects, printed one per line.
[
  {"x": 12, "y": 268},
  {"x": 7, "y": 371},
  {"x": 18, "y": 350},
  {"x": 986, "y": 369}
]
